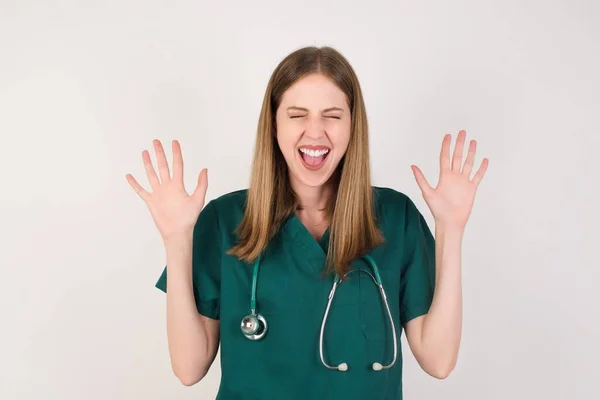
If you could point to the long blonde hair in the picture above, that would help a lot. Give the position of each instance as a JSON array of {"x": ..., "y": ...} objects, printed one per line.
[{"x": 271, "y": 200}]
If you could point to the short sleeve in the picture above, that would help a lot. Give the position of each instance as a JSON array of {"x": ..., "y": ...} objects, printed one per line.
[
  {"x": 418, "y": 266},
  {"x": 206, "y": 264}
]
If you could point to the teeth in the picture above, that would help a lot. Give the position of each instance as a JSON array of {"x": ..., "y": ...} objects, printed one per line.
[{"x": 315, "y": 153}]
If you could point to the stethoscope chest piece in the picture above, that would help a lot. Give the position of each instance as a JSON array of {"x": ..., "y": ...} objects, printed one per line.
[{"x": 254, "y": 326}]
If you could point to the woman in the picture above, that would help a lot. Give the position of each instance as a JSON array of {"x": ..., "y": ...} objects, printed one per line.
[{"x": 254, "y": 270}]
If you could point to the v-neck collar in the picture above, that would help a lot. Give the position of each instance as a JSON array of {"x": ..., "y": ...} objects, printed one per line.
[{"x": 312, "y": 250}]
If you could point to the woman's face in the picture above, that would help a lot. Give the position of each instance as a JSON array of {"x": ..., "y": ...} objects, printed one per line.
[{"x": 313, "y": 129}]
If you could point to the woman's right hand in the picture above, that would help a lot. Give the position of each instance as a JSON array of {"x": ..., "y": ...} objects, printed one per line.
[{"x": 174, "y": 211}]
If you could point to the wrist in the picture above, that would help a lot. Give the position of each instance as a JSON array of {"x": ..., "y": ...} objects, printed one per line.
[
  {"x": 178, "y": 241},
  {"x": 449, "y": 234},
  {"x": 449, "y": 227}
]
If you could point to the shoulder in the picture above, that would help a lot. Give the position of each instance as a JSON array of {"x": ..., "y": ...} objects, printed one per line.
[
  {"x": 388, "y": 200},
  {"x": 230, "y": 201},
  {"x": 227, "y": 210},
  {"x": 388, "y": 196},
  {"x": 394, "y": 209}
]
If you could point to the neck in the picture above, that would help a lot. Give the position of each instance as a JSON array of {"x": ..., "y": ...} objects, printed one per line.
[{"x": 312, "y": 199}]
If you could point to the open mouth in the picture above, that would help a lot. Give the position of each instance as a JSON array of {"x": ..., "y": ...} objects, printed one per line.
[{"x": 313, "y": 159}]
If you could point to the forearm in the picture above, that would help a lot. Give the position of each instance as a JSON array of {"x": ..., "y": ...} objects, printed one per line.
[
  {"x": 442, "y": 326},
  {"x": 186, "y": 334}
]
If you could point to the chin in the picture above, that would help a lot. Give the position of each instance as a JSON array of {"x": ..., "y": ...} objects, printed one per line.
[
  {"x": 310, "y": 178},
  {"x": 312, "y": 181}
]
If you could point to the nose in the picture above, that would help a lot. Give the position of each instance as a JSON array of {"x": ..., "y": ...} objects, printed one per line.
[{"x": 315, "y": 128}]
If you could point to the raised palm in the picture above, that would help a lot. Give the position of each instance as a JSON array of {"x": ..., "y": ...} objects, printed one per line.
[
  {"x": 173, "y": 210},
  {"x": 451, "y": 201}
]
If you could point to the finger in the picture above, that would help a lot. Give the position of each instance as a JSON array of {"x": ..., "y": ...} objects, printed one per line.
[
  {"x": 479, "y": 175},
  {"x": 177, "y": 162},
  {"x": 137, "y": 187},
  {"x": 154, "y": 182},
  {"x": 161, "y": 159},
  {"x": 200, "y": 191},
  {"x": 468, "y": 167},
  {"x": 458, "y": 151},
  {"x": 445, "y": 154},
  {"x": 421, "y": 181}
]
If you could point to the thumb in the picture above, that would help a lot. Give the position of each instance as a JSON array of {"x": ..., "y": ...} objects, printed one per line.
[
  {"x": 200, "y": 191},
  {"x": 421, "y": 181}
]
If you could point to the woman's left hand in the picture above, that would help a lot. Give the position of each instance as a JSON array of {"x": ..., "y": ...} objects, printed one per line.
[{"x": 452, "y": 200}]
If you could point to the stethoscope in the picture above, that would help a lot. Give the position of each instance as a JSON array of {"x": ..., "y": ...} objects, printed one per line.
[{"x": 254, "y": 326}]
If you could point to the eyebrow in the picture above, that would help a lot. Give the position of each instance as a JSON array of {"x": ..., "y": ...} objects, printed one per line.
[{"x": 295, "y": 108}]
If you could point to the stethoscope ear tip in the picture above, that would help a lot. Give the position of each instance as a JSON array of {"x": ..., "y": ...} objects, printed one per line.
[
  {"x": 377, "y": 367},
  {"x": 343, "y": 367}
]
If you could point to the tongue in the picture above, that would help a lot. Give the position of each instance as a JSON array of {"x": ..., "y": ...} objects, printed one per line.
[{"x": 312, "y": 160}]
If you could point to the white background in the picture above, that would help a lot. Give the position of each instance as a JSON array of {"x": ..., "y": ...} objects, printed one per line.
[{"x": 86, "y": 86}]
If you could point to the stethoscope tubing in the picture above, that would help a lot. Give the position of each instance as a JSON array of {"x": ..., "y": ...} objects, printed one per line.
[
  {"x": 253, "y": 335},
  {"x": 377, "y": 280}
]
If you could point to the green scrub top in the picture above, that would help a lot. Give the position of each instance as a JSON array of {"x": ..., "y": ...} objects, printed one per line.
[{"x": 292, "y": 295}]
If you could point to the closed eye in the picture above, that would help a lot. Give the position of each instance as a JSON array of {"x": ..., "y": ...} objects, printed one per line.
[{"x": 301, "y": 116}]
